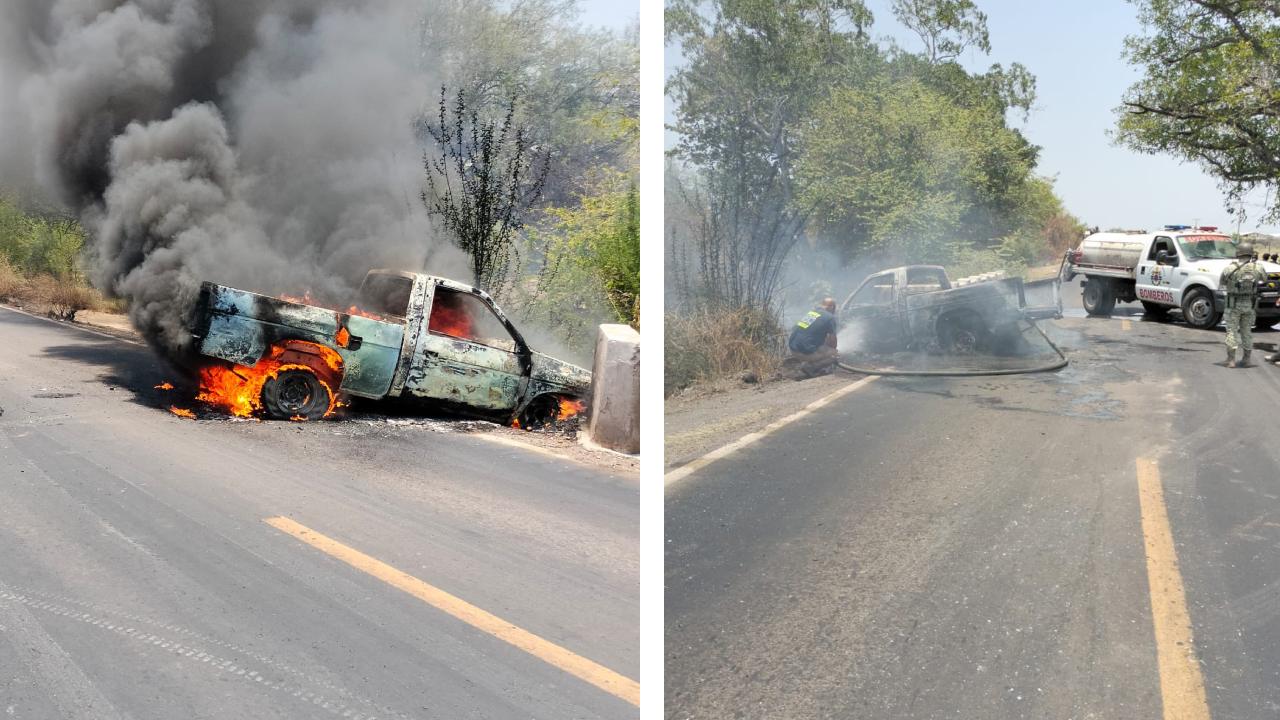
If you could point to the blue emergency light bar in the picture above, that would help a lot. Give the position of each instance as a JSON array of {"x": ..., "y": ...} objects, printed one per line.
[{"x": 1175, "y": 228}]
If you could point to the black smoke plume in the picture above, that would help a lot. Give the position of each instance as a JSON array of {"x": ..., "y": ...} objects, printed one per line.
[{"x": 264, "y": 144}]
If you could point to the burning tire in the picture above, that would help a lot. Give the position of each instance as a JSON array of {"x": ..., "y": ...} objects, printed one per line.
[
  {"x": 542, "y": 410},
  {"x": 295, "y": 393},
  {"x": 548, "y": 409}
]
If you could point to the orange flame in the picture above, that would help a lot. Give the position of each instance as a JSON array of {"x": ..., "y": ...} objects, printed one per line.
[
  {"x": 569, "y": 408},
  {"x": 566, "y": 408},
  {"x": 306, "y": 299},
  {"x": 182, "y": 412},
  {"x": 353, "y": 310},
  {"x": 237, "y": 390},
  {"x": 343, "y": 337},
  {"x": 166, "y": 385},
  {"x": 451, "y": 321}
]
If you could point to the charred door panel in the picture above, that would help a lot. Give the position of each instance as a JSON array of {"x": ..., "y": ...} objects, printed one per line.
[
  {"x": 234, "y": 338},
  {"x": 370, "y": 363},
  {"x": 465, "y": 372}
]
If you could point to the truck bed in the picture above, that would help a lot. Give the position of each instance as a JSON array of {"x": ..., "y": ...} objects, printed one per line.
[{"x": 239, "y": 326}]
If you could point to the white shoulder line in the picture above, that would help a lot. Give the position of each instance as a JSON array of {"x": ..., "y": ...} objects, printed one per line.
[
  {"x": 690, "y": 468},
  {"x": 75, "y": 326}
]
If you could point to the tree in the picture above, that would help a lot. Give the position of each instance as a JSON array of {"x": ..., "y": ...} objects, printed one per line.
[
  {"x": 754, "y": 69},
  {"x": 575, "y": 83},
  {"x": 897, "y": 168},
  {"x": 946, "y": 27},
  {"x": 1210, "y": 91},
  {"x": 484, "y": 177}
]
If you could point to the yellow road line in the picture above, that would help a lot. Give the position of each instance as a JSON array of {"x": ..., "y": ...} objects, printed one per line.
[
  {"x": 690, "y": 468},
  {"x": 1181, "y": 685},
  {"x": 1126, "y": 324},
  {"x": 546, "y": 651}
]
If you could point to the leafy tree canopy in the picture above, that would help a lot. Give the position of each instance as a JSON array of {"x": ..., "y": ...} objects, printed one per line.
[{"x": 1210, "y": 91}]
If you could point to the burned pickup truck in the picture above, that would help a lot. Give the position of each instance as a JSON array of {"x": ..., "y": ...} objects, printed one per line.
[
  {"x": 408, "y": 336},
  {"x": 917, "y": 308}
]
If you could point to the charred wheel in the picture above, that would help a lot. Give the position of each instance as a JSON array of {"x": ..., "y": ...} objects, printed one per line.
[
  {"x": 1098, "y": 298},
  {"x": 541, "y": 411},
  {"x": 962, "y": 334},
  {"x": 295, "y": 393}
]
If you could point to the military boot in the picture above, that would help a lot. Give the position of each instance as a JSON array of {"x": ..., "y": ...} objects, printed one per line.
[
  {"x": 1244, "y": 360},
  {"x": 1231, "y": 358}
]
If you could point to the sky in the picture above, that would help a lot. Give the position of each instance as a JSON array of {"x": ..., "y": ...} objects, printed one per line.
[
  {"x": 608, "y": 13},
  {"x": 1074, "y": 50}
]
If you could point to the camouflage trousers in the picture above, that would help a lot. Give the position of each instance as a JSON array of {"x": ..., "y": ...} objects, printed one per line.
[{"x": 1240, "y": 329}]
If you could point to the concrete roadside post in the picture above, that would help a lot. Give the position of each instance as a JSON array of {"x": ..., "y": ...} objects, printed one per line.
[{"x": 615, "y": 390}]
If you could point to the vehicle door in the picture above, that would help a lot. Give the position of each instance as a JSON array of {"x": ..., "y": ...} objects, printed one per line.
[
  {"x": 1157, "y": 279},
  {"x": 466, "y": 356},
  {"x": 869, "y": 319}
]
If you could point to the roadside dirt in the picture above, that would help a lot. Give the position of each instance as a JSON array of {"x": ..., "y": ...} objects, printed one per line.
[
  {"x": 704, "y": 417},
  {"x": 112, "y": 322}
]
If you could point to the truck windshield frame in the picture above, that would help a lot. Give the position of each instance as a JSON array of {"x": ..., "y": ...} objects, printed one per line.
[{"x": 1207, "y": 247}]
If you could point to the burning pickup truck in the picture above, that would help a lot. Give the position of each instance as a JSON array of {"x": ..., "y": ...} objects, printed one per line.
[
  {"x": 918, "y": 308},
  {"x": 409, "y": 336}
]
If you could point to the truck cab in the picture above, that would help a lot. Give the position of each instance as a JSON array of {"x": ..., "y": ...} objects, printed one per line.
[{"x": 918, "y": 308}]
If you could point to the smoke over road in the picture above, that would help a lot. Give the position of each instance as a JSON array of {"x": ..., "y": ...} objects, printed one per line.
[{"x": 266, "y": 144}]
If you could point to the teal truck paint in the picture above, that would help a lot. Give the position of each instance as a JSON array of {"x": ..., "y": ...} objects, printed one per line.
[{"x": 414, "y": 336}]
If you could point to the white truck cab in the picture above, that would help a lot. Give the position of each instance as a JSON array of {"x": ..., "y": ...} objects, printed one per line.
[{"x": 1175, "y": 268}]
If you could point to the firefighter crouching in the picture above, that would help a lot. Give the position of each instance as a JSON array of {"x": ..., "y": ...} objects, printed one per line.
[
  {"x": 1240, "y": 282},
  {"x": 813, "y": 343}
]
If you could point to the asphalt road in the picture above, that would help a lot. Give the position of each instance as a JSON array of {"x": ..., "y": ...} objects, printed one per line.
[
  {"x": 139, "y": 579},
  {"x": 977, "y": 548}
]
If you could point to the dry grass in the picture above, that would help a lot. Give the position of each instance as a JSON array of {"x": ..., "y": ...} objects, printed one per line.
[
  {"x": 47, "y": 295},
  {"x": 713, "y": 344},
  {"x": 12, "y": 283}
]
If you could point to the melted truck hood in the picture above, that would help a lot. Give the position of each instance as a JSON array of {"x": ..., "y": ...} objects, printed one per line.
[{"x": 553, "y": 374}]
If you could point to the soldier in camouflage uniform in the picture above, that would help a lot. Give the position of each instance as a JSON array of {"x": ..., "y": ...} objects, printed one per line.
[{"x": 1240, "y": 283}]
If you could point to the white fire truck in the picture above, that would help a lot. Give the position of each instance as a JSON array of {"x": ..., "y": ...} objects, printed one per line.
[{"x": 1175, "y": 268}]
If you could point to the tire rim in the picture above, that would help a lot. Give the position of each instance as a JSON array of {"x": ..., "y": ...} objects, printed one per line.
[
  {"x": 1199, "y": 310},
  {"x": 1091, "y": 296},
  {"x": 964, "y": 342},
  {"x": 294, "y": 394}
]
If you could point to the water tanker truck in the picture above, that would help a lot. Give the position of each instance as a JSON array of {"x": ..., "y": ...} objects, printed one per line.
[{"x": 1176, "y": 268}]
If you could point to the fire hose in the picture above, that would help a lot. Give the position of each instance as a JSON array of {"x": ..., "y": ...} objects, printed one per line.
[{"x": 1050, "y": 367}]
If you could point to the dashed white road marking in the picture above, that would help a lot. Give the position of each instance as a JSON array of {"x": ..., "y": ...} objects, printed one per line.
[{"x": 684, "y": 471}]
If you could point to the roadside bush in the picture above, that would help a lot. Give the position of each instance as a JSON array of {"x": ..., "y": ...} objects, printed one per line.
[
  {"x": 12, "y": 283},
  {"x": 55, "y": 247},
  {"x": 711, "y": 344},
  {"x": 58, "y": 299},
  {"x": 40, "y": 263}
]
